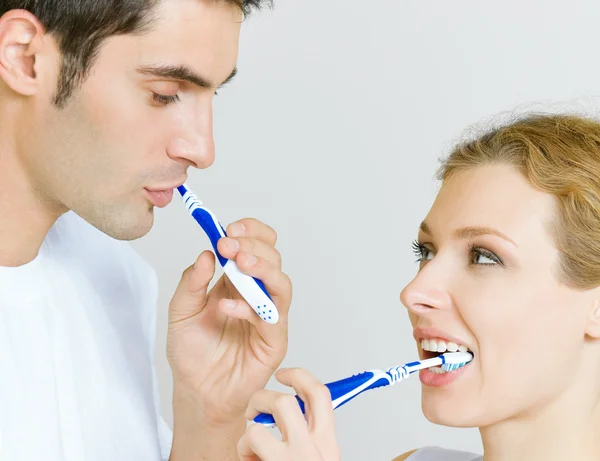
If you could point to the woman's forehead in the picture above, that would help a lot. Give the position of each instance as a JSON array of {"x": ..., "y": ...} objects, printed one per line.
[{"x": 494, "y": 196}]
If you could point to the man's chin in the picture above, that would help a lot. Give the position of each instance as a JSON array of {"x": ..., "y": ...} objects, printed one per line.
[{"x": 130, "y": 226}]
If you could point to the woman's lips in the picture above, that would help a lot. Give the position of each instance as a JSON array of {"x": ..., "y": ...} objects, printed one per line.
[{"x": 432, "y": 379}]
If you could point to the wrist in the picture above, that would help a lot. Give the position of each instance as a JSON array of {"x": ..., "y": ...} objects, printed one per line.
[
  {"x": 200, "y": 436},
  {"x": 203, "y": 410}
]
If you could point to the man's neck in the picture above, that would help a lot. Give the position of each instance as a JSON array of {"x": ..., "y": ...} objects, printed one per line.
[{"x": 25, "y": 217}]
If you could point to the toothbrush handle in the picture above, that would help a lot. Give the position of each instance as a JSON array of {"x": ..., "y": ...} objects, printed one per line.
[
  {"x": 341, "y": 391},
  {"x": 215, "y": 232},
  {"x": 252, "y": 289},
  {"x": 213, "y": 229}
]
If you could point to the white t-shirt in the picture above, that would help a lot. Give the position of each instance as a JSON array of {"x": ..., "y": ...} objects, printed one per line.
[
  {"x": 442, "y": 454},
  {"x": 77, "y": 376}
]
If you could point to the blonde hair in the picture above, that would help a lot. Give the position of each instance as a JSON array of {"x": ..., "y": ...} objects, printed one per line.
[{"x": 560, "y": 155}]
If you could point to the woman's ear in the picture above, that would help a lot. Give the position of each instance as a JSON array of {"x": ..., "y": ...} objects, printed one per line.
[
  {"x": 593, "y": 321},
  {"x": 21, "y": 38}
]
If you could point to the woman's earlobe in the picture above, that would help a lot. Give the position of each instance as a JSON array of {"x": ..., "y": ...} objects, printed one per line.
[
  {"x": 19, "y": 34},
  {"x": 593, "y": 324}
]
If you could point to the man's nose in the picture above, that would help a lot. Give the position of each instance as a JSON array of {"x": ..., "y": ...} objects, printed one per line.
[{"x": 194, "y": 144}]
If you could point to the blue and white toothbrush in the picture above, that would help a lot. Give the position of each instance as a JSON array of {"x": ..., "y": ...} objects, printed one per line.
[
  {"x": 251, "y": 289},
  {"x": 344, "y": 390}
]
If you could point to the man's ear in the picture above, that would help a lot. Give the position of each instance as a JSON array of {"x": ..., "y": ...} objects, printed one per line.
[
  {"x": 20, "y": 40},
  {"x": 593, "y": 321}
]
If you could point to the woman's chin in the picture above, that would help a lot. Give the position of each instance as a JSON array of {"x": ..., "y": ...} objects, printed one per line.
[{"x": 445, "y": 410}]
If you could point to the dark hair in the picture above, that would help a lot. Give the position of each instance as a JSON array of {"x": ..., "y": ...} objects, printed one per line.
[{"x": 80, "y": 26}]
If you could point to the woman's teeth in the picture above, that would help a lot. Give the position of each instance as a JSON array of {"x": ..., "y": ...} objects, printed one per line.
[
  {"x": 437, "y": 370},
  {"x": 438, "y": 345},
  {"x": 434, "y": 345}
]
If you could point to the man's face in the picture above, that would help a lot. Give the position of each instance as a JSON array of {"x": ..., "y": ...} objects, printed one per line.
[{"x": 126, "y": 130}]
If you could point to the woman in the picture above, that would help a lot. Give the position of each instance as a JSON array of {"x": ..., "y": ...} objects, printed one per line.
[{"x": 510, "y": 268}]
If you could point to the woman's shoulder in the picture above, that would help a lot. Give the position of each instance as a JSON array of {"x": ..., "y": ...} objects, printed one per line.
[
  {"x": 404, "y": 456},
  {"x": 433, "y": 453}
]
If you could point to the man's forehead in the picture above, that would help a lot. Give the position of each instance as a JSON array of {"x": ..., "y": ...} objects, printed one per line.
[
  {"x": 192, "y": 11},
  {"x": 191, "y": 41}
]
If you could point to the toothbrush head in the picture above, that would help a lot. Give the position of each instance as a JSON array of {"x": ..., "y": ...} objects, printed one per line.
[{"x": 455, "y": 360}]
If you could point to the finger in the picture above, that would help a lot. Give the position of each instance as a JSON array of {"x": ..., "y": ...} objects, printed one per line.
[
  {"x": 277, "y": 283},
  {"x": 190, "y": 295},
  {"x": 316, "y": 396},
  {"x": 278, "y": 286},
  {"x": 258, "y": 444},
  {"x": 231, "y": 247},
  {"x": 285, "y": 410},
  {"x": 240, "y": 309},
  {"x": 250, "y": 227}
]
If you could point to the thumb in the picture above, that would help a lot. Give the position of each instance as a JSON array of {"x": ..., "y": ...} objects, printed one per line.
[{"x": 190, "y": 295}]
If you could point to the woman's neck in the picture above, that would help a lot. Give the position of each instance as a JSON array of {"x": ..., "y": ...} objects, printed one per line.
[{"x": 566, "y": 428}]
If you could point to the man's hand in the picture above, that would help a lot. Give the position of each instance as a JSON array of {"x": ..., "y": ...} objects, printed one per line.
[{"x": 220, "y": 351}]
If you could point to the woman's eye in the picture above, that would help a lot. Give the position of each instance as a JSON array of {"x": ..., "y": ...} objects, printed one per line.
[
  {"x": 164, "y": 99},
  {"x": 476, "y": 255},
  {"x": 483, "y": 257},
  {"x": 421, "y": 252}
]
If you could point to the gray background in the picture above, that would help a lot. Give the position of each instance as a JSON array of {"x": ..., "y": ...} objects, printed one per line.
[{"x": 331, "y": 133}]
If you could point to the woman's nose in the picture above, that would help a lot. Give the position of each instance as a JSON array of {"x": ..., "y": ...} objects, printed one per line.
[{"x": 426, "y": 293}]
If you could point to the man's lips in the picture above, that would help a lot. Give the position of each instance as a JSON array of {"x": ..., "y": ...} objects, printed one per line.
[{"x": 160, "y": 198}]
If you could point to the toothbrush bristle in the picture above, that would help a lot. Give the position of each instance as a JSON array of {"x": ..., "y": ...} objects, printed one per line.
[{"x": 453, "y": 366}]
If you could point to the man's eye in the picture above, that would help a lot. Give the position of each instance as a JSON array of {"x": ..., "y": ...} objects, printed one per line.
[{"x": 165, "y": 100}]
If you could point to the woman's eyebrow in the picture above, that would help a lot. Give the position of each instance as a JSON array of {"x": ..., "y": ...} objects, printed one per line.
[{"x": 470, "y": 232}]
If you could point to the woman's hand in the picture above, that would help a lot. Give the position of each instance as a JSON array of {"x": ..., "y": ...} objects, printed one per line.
[{"x": 310, "y": 439}]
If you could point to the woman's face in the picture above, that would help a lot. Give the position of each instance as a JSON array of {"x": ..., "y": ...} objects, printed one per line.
[{"x": 487, "y": 282}]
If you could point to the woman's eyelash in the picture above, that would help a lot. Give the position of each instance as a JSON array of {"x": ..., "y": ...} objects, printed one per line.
[
  {"x": 419, "y": 251},
  {"x": 478, "y": 251},
  {"x": 473, "y": 251},
  {"x": 165, "y": 100}
]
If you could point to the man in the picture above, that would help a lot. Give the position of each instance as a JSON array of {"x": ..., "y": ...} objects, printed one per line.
[{"x": 104, "y": 105}]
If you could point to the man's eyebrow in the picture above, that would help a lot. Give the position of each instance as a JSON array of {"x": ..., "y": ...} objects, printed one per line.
[
  {"x": 183, "y": 73},
  {"x": 470, "y": 232}
]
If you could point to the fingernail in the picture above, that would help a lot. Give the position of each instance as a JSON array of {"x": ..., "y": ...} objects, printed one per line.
[
  {"x": 230, "y": 304},
  {"x": 251, "y": 259},
  {"x": 282, "y": 370},
  {"x": 237, "y": 230},
  {"x": 232, "y": 244}
]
